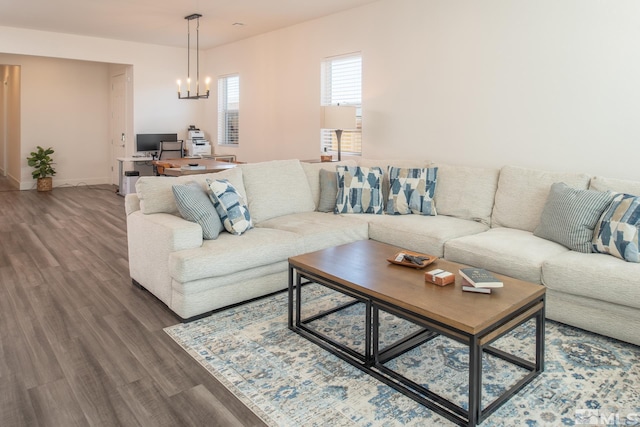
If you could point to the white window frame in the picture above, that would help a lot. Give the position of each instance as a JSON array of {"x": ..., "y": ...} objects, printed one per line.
[
  {"x": 341, "y": 84},
  {"x": 229, "y": 109}
]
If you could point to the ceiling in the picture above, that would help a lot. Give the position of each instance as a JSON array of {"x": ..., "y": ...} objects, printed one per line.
[{"x": 162, "y": 21}]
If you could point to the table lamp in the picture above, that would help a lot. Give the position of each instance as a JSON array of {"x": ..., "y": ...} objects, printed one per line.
[{"x": 338, "y": 118}]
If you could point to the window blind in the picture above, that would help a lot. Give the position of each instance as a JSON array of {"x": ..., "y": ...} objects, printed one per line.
[
  {"x": 342, "y": 85},
  {"x": 229, "y": 109}
]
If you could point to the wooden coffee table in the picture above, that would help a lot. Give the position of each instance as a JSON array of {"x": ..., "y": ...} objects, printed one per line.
[{"x": 361, "y": 271}]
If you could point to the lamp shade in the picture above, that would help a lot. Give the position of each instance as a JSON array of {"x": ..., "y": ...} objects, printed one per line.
[{"x": 338, "y": 117}]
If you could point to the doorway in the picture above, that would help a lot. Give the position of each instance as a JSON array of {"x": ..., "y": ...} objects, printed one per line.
[
  {"x": 9, "y": 127},
  {"x": 119, "y": 122},
  {"x": 3, "y": 121}
]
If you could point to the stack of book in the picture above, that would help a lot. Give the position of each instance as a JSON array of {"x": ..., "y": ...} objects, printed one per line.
[{"x": 479, "y": 280}]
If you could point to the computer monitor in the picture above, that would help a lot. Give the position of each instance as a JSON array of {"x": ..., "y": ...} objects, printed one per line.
[{"x": 150, "y": 142}]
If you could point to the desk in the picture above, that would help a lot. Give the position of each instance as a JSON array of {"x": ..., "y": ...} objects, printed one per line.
[
  {"x": 121, "y": 160},
  {"x": 172, "y": 167}
]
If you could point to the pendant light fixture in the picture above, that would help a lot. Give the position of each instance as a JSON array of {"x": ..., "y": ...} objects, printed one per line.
[{"x": 197, "y": 95}]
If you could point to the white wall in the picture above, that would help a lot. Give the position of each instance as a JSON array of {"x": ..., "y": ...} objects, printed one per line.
[
  {"x": 64, "y": 105},
  {"x": 546, "y": 84},
  {"x": 155, "y": 104}
]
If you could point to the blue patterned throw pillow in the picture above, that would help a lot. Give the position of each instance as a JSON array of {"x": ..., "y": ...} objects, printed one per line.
[
  {"x": 359, "y": 190},
  {"x": 617, "y": 231},
  {"x": 230, "y": 205},
  {"x": 411, "y": 191},
  {"x": 195, "y": 205}
]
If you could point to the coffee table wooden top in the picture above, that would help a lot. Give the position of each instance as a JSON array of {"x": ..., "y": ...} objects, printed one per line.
[{"x": 363, "y": 267}]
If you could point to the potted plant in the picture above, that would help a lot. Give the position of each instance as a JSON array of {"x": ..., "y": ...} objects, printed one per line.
[{"x": 42, "y": 163}]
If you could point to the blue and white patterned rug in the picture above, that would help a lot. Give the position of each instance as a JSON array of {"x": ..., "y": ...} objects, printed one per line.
[{"x": 288, "y": 381}]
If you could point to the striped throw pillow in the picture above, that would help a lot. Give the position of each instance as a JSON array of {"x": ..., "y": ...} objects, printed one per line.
[
  {"x": 570, "y": 216},
  {"x": 195, "y": 206}
]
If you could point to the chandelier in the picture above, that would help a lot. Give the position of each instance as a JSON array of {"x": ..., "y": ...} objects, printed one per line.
[{"x": 197, "y": 95}]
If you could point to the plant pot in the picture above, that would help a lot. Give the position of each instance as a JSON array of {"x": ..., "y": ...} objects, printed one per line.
[{"x": 45, "y": 184}]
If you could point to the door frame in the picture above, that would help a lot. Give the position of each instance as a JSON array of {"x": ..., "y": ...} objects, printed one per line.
[{"x": 125, "y": 106}]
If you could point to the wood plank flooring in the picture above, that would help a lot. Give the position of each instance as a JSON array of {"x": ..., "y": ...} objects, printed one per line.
[{"x": 79, "y": 345}]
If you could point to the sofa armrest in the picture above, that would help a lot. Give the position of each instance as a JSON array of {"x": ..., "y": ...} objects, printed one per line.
[
  {"x": 131, "y": 203},
  {"x": 151, "y": 238}
]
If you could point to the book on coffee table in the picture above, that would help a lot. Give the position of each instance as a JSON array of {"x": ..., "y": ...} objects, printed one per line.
[
  {"x": 476, "y": 290},
  {"x": 480, "y": 278},
  {"x": 468, "y": 287}
]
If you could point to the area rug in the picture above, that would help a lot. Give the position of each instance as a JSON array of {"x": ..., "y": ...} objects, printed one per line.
[{"x": 289, "y": 381}]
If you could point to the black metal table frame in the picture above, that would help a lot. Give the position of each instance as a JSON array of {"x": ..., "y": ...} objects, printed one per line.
[{"x": 373, "y": 359}]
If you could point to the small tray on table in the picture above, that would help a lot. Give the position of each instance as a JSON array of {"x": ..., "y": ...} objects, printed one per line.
[{"x": 399, "y": 260}]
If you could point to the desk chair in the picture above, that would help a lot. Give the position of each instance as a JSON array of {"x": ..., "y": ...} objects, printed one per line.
[{"x": 168, "y": 150}]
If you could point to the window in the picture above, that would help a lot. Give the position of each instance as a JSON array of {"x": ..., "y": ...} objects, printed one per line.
[
  {"x": 228, "y": 109},
  {"x": 342, "y": 84}
]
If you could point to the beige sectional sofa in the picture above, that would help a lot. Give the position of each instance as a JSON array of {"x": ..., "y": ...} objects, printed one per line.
[{"x": 485, "y": 217}]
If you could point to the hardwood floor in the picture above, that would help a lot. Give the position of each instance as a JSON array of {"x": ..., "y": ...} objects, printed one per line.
[
  {"x": 79, "y": 345},
  {"x": 5, "y": 185}
]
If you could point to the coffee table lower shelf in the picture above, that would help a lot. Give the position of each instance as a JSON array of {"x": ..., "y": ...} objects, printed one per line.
[{"x": 373, "y": 359}]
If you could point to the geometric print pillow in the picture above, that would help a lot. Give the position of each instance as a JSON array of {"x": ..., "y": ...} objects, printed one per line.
[
  {"x": 230, "y": 205},
  {"x": 411, "y": 191},
  {"x": 617, "y": 231},
  {"x": 359, "y": 190}
]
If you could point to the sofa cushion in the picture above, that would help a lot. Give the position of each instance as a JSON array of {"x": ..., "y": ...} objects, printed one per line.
[
  {"x": 600, "y": 183},
  {"x": 276, "y": 188},
  {"x": 231, "y": 207},
  {"x": 618, "y": 228},
  {"x": 321, "y": 230},
  {"x": 419, "y": 233},
  {"x": 230, "y": 254},
  {"x": 509, "y": 251},
  {"x": 570, "y": 215},
  {"x": 465, "y": 192},
  {"x": 598, "y": 276},
  {"x": 195, "y": 205},
  {"x": 411, "y": 191},
  {"x": 156, "y": 193},
  {"x": 312, "y": 171},
  {"x": 522, "y": 194},
  {"x": 359, "y": 190}
]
